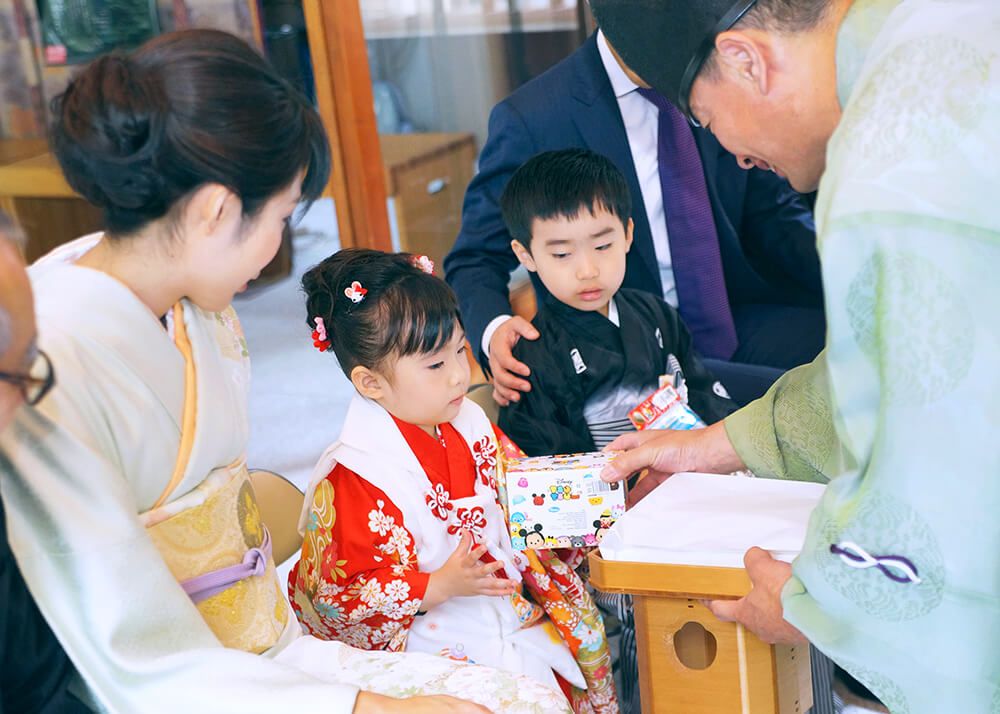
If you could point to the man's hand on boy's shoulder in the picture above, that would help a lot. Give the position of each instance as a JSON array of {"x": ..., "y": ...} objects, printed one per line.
[{"x": 508, "y": 370}]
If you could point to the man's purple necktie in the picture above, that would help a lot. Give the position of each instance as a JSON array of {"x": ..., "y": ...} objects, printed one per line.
[{"x": 694, "y": 243}]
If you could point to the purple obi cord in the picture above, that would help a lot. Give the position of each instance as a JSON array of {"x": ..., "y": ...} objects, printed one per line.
[
  {"x": 897, "y": 568},
  {"x": 212, "y": 583}
]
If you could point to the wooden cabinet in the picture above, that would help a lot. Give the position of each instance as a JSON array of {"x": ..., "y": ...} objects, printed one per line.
[{"x": 426, "y": 176}]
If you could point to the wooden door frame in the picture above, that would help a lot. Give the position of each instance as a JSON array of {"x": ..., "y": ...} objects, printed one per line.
[{"x": 347, "y": 107}]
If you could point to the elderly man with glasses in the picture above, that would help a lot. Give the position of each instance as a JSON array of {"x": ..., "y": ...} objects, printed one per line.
[
  {"x": 25, "y": 373},
  {"x": 34, "y": 671}
]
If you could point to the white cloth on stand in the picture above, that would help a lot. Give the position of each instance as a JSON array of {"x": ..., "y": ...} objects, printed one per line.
[{"x": 712, "y": 520}]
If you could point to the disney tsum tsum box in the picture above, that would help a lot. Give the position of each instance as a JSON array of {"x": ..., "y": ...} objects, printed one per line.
[{"x": 560, "y": 501}]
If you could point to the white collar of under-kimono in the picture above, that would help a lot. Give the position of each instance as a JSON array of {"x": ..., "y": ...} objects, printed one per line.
[
  {"x": 613, "y": 315},
  {"x": 369, "y": 428}
]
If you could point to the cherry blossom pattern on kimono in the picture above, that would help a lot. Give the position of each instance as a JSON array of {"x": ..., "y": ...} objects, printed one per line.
[{"x": 364, "y": 598}]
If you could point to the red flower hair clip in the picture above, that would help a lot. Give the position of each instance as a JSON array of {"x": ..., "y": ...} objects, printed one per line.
[
  {"x": 320, "y": 340},
  {"x": 424, "y": 263}
]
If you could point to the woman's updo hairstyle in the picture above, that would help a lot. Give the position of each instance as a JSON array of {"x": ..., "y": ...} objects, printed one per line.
[
  {"x": 404, "y": 311},
  {"x": 135, "y": 133}
]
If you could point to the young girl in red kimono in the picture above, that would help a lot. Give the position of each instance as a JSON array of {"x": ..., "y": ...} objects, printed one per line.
[{"x": 406, "y": 545}]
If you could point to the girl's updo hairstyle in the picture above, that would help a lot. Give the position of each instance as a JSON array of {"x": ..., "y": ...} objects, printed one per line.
[
  {"x": 136, "y": 133},
  {"x": 404, "y": 312}
]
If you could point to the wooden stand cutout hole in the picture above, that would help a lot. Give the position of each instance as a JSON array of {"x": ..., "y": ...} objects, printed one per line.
[{"x": 695, "y": 646}]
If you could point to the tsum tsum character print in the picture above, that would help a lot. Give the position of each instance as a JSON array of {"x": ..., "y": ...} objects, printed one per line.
[
  {"x": 564, "y": 541},
  {"x": 538, "y": 499},
  {"x": 516, "y": 520},
  {"x": 533, "y": 538},
  {"x": 578, "y": 542},
  {"x": 599, "y": 532},
  {"x": 603, "y": 524}
]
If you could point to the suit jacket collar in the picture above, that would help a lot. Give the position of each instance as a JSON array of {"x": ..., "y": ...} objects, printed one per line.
[{"x": 599, "y": 121}]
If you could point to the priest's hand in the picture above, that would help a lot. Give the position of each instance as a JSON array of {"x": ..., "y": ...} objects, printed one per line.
[
  {"x": 663, "y": 453},
  {"x": 369, "y": 703},
  {"x": 464, "y": 575},
  {"x": 760, "y": 610},
  {"x": 508, "y": 370}
]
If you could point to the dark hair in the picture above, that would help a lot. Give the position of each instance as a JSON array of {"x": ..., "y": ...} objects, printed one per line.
[
  {"x": 785, "y": 16},
  {"x": 562, "y": 183},
  {"x": 135, "y": 133},
  {"x": 405, "y": 311}
]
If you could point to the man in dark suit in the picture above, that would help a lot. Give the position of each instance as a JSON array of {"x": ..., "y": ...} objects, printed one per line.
[
  {"x": 34, "y": 670},
  {"x": 744, "y": 235}
]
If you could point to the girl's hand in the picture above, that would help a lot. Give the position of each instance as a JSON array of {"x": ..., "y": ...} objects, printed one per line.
[{"x": 464, "y": 575}]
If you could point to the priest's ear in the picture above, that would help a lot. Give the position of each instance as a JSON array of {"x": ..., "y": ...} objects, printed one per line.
[
  {"x": 523, "y": 255},
  {"x": 370, "y": 384},
  {"x": 743, "y": 57}
]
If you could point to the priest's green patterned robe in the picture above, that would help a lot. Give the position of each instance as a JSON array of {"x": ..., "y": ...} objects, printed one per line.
[{"x": 902, "y": 411}]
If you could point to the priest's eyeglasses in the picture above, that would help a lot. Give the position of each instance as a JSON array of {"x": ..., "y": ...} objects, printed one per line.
[
  {"x": 38, "y": 381},
  {"x": 726, "y": 22}
]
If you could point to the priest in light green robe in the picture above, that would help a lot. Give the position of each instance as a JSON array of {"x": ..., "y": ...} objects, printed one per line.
[{"x": 893, "y": 108}]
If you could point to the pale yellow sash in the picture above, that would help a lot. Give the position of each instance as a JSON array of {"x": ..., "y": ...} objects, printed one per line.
[{"x": 216, "y": 533}]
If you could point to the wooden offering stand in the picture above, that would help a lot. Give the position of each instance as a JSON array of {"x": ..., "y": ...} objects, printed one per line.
[{"x": 689, "y": 661}]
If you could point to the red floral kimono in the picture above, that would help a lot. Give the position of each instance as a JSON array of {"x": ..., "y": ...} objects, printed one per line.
[{"x": 388, "y": 503}]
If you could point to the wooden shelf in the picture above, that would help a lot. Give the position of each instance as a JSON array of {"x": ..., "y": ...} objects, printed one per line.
[
  {"x": 38, "y": 176},
  {"x": 684, "y": 581},
  {"x": 14, "y": 150}
]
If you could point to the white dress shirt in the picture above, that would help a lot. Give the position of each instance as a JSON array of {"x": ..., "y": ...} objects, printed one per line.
[{"x": 642, "y": 122}]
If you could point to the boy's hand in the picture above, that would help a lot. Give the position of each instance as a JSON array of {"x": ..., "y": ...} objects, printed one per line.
[
  {"x": 507, "y": 385},
  {"x": 464, "y": 575}
]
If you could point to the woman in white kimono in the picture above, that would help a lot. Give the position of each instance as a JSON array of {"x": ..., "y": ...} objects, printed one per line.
[{"x": 130, "y": 511}]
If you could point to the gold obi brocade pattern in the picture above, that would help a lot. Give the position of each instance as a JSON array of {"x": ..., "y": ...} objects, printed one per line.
[{"x": 216, "y": 532}]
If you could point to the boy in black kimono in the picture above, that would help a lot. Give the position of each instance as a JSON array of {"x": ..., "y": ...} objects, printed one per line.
[{"x": 602, "y": 349}]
